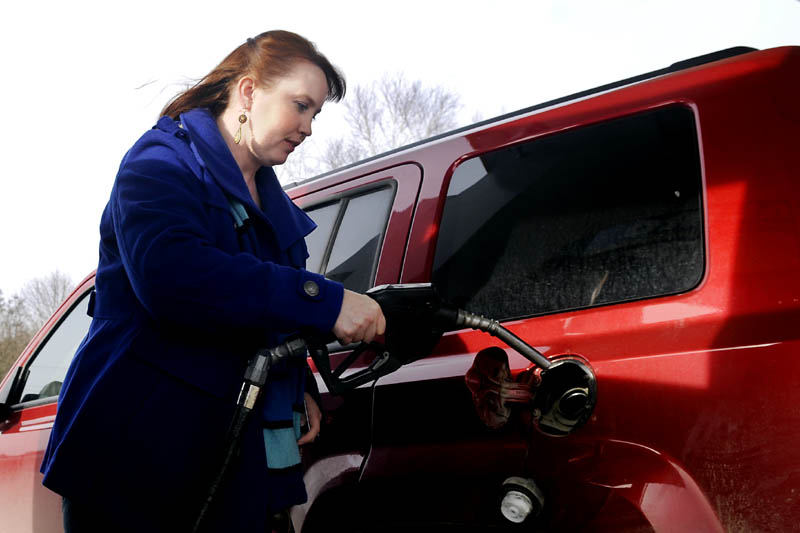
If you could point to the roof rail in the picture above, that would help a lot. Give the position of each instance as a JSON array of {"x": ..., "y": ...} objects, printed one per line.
[
  {"x": 710, "y": 58},
  {"x": 675, "y": 67}
]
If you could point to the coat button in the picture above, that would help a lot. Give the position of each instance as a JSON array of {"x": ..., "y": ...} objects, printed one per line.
[{"x": 311, "y": 288}]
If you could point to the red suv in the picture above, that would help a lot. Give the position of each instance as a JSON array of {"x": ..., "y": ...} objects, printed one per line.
[{"x": 649, "y": 229}]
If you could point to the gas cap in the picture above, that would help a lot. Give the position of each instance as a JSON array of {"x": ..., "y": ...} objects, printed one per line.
[
  {"x": 521, "y": 499},
  {"x": 566, "y": 397}
]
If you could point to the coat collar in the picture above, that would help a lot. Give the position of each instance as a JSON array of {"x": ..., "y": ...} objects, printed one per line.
[{"x": 288, "y": 221}]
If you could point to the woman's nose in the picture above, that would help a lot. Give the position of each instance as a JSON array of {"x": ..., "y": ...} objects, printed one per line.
[{"x": 305, "y": 128}]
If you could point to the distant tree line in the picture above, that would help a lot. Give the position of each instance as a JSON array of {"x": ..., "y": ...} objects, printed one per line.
[{"x": 22, "y": 314}]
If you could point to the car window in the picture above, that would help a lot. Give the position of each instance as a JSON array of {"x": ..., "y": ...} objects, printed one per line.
[
  {"x": 346, "y": 244},
  {"x": 600, "y": 214},
  {"x": 317, "y": 241},
  {"x": 49, "y": 364}
]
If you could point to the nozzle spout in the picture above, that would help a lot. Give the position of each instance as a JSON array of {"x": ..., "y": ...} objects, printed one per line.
[{"x": 495, "y": 329}]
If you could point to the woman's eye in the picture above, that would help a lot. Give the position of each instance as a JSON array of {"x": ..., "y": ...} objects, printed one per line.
[{"x": 301, "y": 106}]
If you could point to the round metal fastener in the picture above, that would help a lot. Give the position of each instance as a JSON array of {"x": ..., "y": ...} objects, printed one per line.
[{"x": 311, "y": 288}]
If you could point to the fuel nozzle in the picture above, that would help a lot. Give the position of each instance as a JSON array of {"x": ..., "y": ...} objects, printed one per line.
[
  {"x": 416, "y": 318},
  {"x": 495, "y": 329},
  {"x": 564, "y": 399}
]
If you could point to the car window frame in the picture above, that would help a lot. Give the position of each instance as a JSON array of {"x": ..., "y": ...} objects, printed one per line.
[
  {"x": 343, "y": 200},
  {"x": 698, "y": 148},
  {"x": 21, "y": 369},
  {"x": 406, "y": 179}
]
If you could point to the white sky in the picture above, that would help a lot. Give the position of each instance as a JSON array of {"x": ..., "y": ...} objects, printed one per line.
[{"x": 83, "y": 80}]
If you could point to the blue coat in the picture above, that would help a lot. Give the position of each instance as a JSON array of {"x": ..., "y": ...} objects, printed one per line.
[{"x": 183, "y": 299}]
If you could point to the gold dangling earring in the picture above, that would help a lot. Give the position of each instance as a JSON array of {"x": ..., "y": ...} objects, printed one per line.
[{"x": 238, "y": 137}]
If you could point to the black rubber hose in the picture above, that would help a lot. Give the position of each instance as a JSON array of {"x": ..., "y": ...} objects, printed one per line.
[{"x": 233, "y": 439}]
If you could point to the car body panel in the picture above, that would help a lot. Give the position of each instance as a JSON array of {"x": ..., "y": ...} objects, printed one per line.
[
  {"x": 26, "y": 505},
  {"x": 688, "y": 378},
  {"x": 696, "y": 424}
]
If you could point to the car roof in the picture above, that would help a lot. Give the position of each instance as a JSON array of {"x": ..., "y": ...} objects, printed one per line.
[{"x": 675, "y": 67}]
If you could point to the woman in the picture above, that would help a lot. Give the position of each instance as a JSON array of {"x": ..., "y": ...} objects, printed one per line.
[{"x": 202, "y": 260}]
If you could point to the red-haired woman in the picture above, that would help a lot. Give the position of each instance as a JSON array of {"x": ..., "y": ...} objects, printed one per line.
[{"x": 202, "y": 260}]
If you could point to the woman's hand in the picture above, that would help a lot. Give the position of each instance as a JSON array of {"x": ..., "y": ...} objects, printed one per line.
[
  {"x": 314, "y": 419},
  {"x": 360, "y": 319}
]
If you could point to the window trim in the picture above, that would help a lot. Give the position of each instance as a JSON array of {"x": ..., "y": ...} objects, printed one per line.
[
  {"x": 343, "y": 199},
  {"x": 24, "y": 370},
  {"x": 702, "y": 207},
  {"x": 341, "y": 204}
]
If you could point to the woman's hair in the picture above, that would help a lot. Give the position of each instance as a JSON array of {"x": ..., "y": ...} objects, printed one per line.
[{"x": 266, "y": 57}]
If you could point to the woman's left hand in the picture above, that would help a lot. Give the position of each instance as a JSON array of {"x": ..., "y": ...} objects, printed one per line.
[{"x": 314, "y": 420}]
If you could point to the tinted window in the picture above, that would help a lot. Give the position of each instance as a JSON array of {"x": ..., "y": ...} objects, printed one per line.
[
  {"x": 50, "y": 363},
  {"x": 600, "y": 214},
  {"x": 346, "y": 244},
  {"x": 317, "y": 240},
  {"x": 355, "y": 251}
]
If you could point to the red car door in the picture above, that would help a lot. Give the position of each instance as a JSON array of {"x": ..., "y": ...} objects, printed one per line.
[
  {"x": 362, "y": 227},
  {"x": 26, "y": 505},
  {"x": 648, "y": 231}
]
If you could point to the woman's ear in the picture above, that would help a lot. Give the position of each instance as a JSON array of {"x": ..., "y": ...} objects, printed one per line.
[{"x": 244, "y": 92}]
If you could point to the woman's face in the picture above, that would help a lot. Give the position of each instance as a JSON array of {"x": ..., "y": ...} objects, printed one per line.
[{"x": 281, "y": 114}]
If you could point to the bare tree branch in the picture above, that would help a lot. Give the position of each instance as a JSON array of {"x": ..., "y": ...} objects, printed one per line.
[
  {"x": 42, "y": 296},
  {"x": 386, "y": 114},
  {"x": 15, "y": 331},
  {"x": 394, "y": 111},
  {"x": 23, "y": 314}
]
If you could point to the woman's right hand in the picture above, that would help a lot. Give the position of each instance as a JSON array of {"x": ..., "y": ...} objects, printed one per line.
[{"x": 360, "y": 319}]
